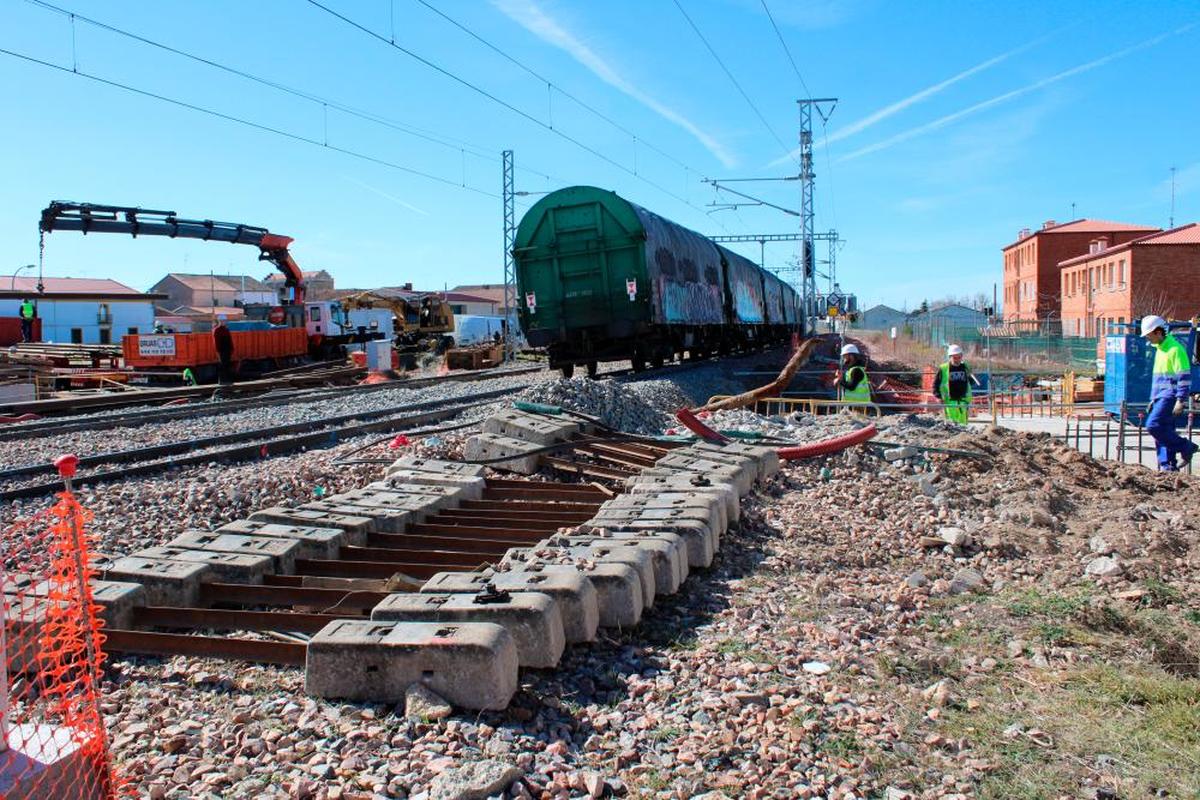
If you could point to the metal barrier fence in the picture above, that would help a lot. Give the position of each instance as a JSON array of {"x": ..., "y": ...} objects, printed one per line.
[{"x": 1122, "y": 438}]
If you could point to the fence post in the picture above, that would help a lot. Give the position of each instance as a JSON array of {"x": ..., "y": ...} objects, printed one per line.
[
  {"x": 3, "y": 677},
  {"x": 1121, "y": 432}
]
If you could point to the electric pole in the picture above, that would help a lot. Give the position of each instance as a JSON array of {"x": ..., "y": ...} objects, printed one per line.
[
  {"x": 510, "y": 272},
  {"x": 824, "y": 107}
]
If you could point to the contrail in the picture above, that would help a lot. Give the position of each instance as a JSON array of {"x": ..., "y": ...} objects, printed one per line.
[
  {"x": 530, "y": 16},
  {"x": 386, "y": 196},
  {"x": 912, "y": 100},
  {"x": 942, "y": 122}
]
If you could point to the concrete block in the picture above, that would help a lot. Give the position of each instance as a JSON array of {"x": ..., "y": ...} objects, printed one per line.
[
  {"x": 283, "y": 552},
  {"x": 167, "y": 583},
  {"x": 618, "y": 588},
  {"x": 539, "y": 429},
  {"x": 223, "y": 567},
  {"x": 574, "y": 594},
  {"x": 764, "y": 456},
  {"x": 532, "y": 618},
  {"x": 471, "y": 664},
  {"x": 668, "y": 552},
  {"x": 652, "y": 484},
  {"x": 471, "y": 488},
  {"x": 641, "y": 560},
  {"x": 703, "y": 540},
  {"x": 352, "y": 524},
  {"x": 117, "y": 600},
  {"x": 41, "y": 761},
  {"x": 433, "y": 465},
  {"x": 24, "y": 624},
  {"x": 379, "y": 515},
  {"x": 740, "y": 475},
  {"x": 708, "y": 504},
  {"x": 516, "y": 452},
  {"x": 435, "y": 496},
  {"x": 323, "y": 539}
]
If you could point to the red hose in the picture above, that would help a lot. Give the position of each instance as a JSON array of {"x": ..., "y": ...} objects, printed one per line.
[
  {"x": 827, "y": 446},
  {"x": 21, "y": 418},
  {"x": 693, "y": 424}
]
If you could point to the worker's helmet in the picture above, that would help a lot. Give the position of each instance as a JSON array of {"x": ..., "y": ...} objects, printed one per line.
[
  {"x": 954, "y": 350},
  {"x": 1152, "y": 323},
  {"x": 849, "y": 349}
]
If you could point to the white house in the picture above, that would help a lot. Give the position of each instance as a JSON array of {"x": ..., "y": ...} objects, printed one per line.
[{"x": 81, "y": 310}]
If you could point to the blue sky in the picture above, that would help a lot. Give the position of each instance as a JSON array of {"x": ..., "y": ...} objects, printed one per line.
[{"x": 958, "y": 124}]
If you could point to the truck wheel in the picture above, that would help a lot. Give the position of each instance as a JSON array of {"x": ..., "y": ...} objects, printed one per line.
[{"x": 568, "y": 370}]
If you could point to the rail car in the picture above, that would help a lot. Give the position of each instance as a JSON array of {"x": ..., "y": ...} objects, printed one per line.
[{"x": 601, "y": 278}]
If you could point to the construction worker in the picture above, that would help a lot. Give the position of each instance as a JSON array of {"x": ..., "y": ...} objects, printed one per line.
[
  {"x": 851, "y": 379},
  {"x": 223, "y": 340},
  {"x": 952, "y": 385},
  {"x": 1168, "y": 394},
  {"x": 27, "y": 312}
]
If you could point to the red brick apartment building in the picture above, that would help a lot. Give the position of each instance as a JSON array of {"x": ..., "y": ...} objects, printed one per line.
[
  {"x": 1155, "y": 274},
  {"x": 1032, "y": 289}
]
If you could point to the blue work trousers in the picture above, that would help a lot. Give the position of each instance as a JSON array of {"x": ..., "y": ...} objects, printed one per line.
[{"x": 1160, "y": 423}]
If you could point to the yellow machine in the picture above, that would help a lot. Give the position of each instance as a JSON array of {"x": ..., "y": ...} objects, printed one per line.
[{"x": 421, "y": 325}]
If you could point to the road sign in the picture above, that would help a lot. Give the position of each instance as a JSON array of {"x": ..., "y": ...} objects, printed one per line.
[{"x": 833, "y": 311}]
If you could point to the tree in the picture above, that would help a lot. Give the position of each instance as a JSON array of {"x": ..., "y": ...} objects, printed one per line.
[{"x": 924, "y": 309}]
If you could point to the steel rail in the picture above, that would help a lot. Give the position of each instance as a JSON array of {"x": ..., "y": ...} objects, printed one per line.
[
  {"x": 171, "y": 644},
  {"x": 257, "y": 449}
]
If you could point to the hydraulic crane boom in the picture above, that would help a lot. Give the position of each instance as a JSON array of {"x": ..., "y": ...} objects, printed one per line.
[{"x": 92, "y": 218}]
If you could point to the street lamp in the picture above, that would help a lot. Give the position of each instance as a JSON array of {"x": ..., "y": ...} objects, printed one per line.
[{"x": 12, "y": 284}]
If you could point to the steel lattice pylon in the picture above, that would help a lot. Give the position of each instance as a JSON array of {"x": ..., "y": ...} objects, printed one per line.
[
  {"x": 510, "y": 274},
  {"x": 824, "y": 107}
]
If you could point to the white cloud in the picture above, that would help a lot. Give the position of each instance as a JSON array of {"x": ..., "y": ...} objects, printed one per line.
[
  {"x": 530, "y": 16},
  {"x": 942, "y": 122}
]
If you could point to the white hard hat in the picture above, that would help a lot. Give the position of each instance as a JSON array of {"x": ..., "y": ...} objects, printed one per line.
[
  {"x": 1152, "y": 323},
  {"x": 849, "y": 349},
  {"x": 954, "y": 350}
]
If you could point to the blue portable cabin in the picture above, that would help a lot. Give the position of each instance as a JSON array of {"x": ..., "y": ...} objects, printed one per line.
[{"x": 1129, "y": 368}]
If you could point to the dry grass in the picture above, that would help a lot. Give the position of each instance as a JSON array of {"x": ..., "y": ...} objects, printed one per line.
[{"x": 1117, "y": 706}]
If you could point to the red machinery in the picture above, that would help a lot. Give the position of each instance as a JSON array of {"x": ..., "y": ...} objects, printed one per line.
[{"x": 92, "y": 218}]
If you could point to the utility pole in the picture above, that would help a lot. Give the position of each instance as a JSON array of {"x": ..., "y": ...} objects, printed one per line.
[
  {"x": 1171, "y": 223},
  {"x": 824, "y": 107},
  {"x": 510, "y": 273}
]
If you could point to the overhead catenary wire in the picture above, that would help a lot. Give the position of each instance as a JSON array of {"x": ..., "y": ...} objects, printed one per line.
[
  {"x": 786, "y": 49},
  {"x": 501, "y": 102},
  {"x": 449, "y": 142},
  {"x": 248, "y": 123},
  {"x": 712, "y": 51},
  {"x": 552, "y": 85}
]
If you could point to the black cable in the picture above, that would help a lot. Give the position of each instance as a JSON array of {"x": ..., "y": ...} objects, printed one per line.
[
  {"x": 499, "y": 101},
  {"x": 256, "y": 125},
  {"x": 429, "y": 136},
  {"x": 732, "y": 79},
  {"x": 600, "y": 114},
  {"x": 795, "y": 69}
]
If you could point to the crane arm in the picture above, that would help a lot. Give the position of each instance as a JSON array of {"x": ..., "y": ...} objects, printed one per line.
[{"x": 93, "y": 218}]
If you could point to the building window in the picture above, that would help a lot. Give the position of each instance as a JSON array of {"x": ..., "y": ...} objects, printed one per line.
[
  {"x": 132, "y": 332},
  {"x": 104, "y": 314},
  {"x": 76, "y": 335},
  {"x": 106, "y": 336},
  {"x": 1121, "y": 272}
]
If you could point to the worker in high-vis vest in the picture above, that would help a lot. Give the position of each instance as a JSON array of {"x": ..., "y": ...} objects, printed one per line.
[
  {"x": 1169, "y": 392},
  {"x": 27, "y": 311},
  {"x": 952, "y": 385},
  {"x": 851, "y": 379}
]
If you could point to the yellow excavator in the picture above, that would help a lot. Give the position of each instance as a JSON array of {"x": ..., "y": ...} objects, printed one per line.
[{"x": 421, "y": 325}]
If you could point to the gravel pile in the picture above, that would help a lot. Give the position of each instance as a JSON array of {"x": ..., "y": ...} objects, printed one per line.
[{"x": 644, "y": 407}]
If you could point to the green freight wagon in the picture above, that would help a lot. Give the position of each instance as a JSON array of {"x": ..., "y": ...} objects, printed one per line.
[{"x": 602, "y": 279}]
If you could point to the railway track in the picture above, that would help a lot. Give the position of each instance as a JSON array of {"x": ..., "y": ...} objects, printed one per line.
[{"x": 207, "y": 408}]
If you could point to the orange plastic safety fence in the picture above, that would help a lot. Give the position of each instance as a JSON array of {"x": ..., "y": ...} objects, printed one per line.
[{"x": 53, "y": 648}]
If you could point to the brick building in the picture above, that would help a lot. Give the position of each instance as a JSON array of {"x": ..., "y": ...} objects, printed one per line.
[
  {"x": 1154, "y": 274},
  {"x": 1032, "y": 289}
]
